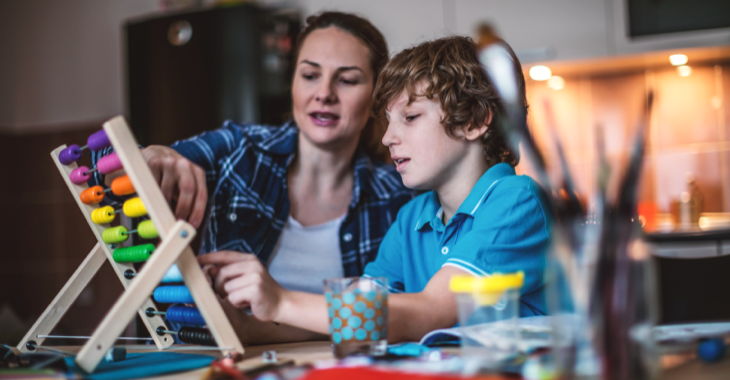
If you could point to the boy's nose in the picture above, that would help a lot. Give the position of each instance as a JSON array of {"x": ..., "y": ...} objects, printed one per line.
[{"x": 390, "y": 137}]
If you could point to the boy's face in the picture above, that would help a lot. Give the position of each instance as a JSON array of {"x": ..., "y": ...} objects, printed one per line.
[{"x": 425, "y": 156}]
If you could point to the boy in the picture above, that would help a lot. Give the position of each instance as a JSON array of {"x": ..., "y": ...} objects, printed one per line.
[{"x": 478, "y": 217}]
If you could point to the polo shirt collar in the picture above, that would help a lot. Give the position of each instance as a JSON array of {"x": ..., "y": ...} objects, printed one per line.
[{"x": 432, "y": 211}]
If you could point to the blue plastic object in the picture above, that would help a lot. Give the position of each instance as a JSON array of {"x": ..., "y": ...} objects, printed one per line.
[
  {"x": 712, "y": 350},
  {"x": 184, "y": 314},
  {"x": 173, "y": 294}
]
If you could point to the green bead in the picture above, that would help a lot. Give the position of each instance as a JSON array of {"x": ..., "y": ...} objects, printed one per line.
[
  {"x": 147, "y": 230},
  {"x": 115, "y": 235},
  {"x": 136, "y": 254}
]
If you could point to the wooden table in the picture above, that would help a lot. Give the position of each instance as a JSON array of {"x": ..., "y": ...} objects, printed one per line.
[{"x": 308, "y": 352}]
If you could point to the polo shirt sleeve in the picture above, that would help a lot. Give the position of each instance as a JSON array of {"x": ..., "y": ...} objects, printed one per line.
[
  {"x": 389, "y": 262},
  {"x": 509, "y": 234}
]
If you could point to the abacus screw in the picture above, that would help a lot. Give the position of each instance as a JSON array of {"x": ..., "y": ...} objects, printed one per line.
[
  {"x": 129, "y": 274},
  {"x": 31, "y": 345},
  {"x": 184, "y": 233},
  {"x": 160, "y": 331},
  {"x": 149, "y": 312}
]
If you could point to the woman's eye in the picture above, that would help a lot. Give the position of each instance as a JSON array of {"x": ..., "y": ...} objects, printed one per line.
[
  {"x": 348, "y": 81},
  {"x": 411, "y": 117},
  {"x": 308, "y": 76}
]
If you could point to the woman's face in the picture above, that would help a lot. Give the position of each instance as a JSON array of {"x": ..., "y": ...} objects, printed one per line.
[{"x": 332, "y": 88}]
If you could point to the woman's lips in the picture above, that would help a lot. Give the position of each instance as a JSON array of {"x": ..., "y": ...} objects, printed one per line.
[{"x": 324, "y": 119}]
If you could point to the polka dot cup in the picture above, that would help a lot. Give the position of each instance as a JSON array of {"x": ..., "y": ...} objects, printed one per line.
[{"x": 358, "y": 315}]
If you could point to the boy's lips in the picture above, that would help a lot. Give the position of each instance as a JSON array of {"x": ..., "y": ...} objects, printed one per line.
[
  {"x": 325, "y": 119},
  {"x": 400, "y": 162}
]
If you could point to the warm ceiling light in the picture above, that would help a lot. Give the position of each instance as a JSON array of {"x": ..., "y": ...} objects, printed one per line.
[
  {"x": 556, "y": 82},
  {"x": 540, "y": 73},
  {"x": 678, "y": 59},
  {"x": 684, "y": 71}
]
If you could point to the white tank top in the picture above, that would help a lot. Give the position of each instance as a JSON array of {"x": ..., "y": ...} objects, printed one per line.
[{"x": 305, "y": 256}]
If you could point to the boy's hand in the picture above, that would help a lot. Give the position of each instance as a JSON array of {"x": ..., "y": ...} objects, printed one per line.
[
  {"x": 180, "y": 180},
  {"x": 243, "y": 281}
]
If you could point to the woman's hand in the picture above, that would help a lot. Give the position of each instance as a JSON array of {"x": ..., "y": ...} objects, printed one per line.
[
  {"x": 243, "y": 281},
  {"x": 181, "y": 181}
]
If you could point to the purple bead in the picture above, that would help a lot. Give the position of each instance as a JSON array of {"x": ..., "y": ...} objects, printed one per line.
[
  {"x": 69, "y": 154},
  {"x": 108, "y": 164},
  {"x": 98, "y": 140},
  {"x": 80, "y": 175}
]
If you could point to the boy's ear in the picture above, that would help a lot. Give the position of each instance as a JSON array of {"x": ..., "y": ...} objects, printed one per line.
[{"x": 472, "y": 133}]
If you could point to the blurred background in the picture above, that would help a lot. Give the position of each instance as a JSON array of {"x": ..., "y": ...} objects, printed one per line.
[{"x": 176, "y": 68}]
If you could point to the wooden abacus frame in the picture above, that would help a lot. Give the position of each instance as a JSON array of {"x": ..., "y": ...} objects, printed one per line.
[{"x": 175, "y": 237}]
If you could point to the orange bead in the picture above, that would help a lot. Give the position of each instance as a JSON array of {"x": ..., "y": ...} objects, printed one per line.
[
  {"x": 92, "y": 195},
  {"x": 122, "y": 186}
]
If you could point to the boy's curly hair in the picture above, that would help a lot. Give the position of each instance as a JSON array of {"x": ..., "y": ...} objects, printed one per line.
[{"x": 449, "y": 69}]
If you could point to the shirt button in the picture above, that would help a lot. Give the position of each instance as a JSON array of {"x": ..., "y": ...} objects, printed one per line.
[
  {"x": 444, "y": 250},
  {"x": 347, "y": 237},
  {"x": 258, "y": 215},
  {"x": 232, "y": 216}
]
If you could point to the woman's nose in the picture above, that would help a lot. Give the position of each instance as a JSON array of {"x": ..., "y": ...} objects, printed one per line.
[{"x": 326, "y": 92}]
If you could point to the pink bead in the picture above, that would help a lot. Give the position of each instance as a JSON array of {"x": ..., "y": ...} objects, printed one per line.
[
  {"x": 80, "y": 175},
  {"x": 109, "y": 164}
]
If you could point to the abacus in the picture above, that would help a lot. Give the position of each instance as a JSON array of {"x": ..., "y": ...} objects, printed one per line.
[{"x": 159, "y": 266}]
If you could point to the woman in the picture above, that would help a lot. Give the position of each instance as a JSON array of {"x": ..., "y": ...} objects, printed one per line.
[{"x": 309, "y": 200}]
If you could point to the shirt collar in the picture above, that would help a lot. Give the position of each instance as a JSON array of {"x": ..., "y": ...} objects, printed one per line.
[
  {"x": 284, "y": 141},
  {"x": 432, "y": 212}
]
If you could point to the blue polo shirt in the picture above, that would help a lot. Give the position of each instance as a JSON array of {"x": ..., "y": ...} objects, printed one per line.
[{"x": 502, "y": 226}]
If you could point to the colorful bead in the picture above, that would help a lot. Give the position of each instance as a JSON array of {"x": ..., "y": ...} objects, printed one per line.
[
  {"x": 70, "y": 154},
  {"x": 173, "y": 275},
  {"x": 134, "y": 208},
  {"x": 136, "y": 254},
  {"x": 103, "y": 215},
  {"x": 147, "y": 230},
  {"x": 109, "y": 164},
  {"x": 80, "y": 175},
  {"x": 173, "y": 294},
  {"x": 122, "y": 186},
  {"x": 92, "y": 195},
  {"x": 98, "y": 140},
  {"x": 115, "y": 235},
  {"x": 184, "y": 314}
]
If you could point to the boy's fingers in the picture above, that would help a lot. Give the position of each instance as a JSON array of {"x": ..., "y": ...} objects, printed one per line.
[{"x": 187, "y": 186}]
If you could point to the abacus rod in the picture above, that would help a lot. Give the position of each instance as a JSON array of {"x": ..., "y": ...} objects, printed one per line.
[
  {"x": 85, "y": 337},
  {"x": 37, "y": 347}
]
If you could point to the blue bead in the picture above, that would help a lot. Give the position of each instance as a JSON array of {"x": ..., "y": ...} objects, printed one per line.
[
  {"x": 369, "y": 313},
  {"x": 369, "y": 325},
  {"x": 712, "y": 350},
  {"x": 348, "y": 298},
  {"x": 361, "y": 334},
  {"x": 336, "y": 337},
  {"x": 354, "y": 322},
  {"x": 347, "y": 333},
  {"x": 345, "y": 312},
  {"x": 360, "y": 306},
  {"x": 371, "y": 295}
]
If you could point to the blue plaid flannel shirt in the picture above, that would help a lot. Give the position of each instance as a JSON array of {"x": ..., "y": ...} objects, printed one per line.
[{"x": 245, "y": 167}]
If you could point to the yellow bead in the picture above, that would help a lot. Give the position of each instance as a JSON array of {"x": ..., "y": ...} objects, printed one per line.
[
  {"x": 115, "y": 235},
  {"x": 134, "y": 208},
  {"x": 103, "y": 215},
  {"x": 147, "y": 230}
]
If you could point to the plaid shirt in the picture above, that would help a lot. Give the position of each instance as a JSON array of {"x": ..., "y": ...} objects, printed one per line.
[{"x": 245, "y": 167}]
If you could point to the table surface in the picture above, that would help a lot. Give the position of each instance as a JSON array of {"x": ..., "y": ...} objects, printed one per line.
[{"x": 682, "y": 366}]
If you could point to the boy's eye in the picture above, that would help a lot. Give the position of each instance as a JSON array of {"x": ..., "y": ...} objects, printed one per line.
[{"x": 411, "y": 117}]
